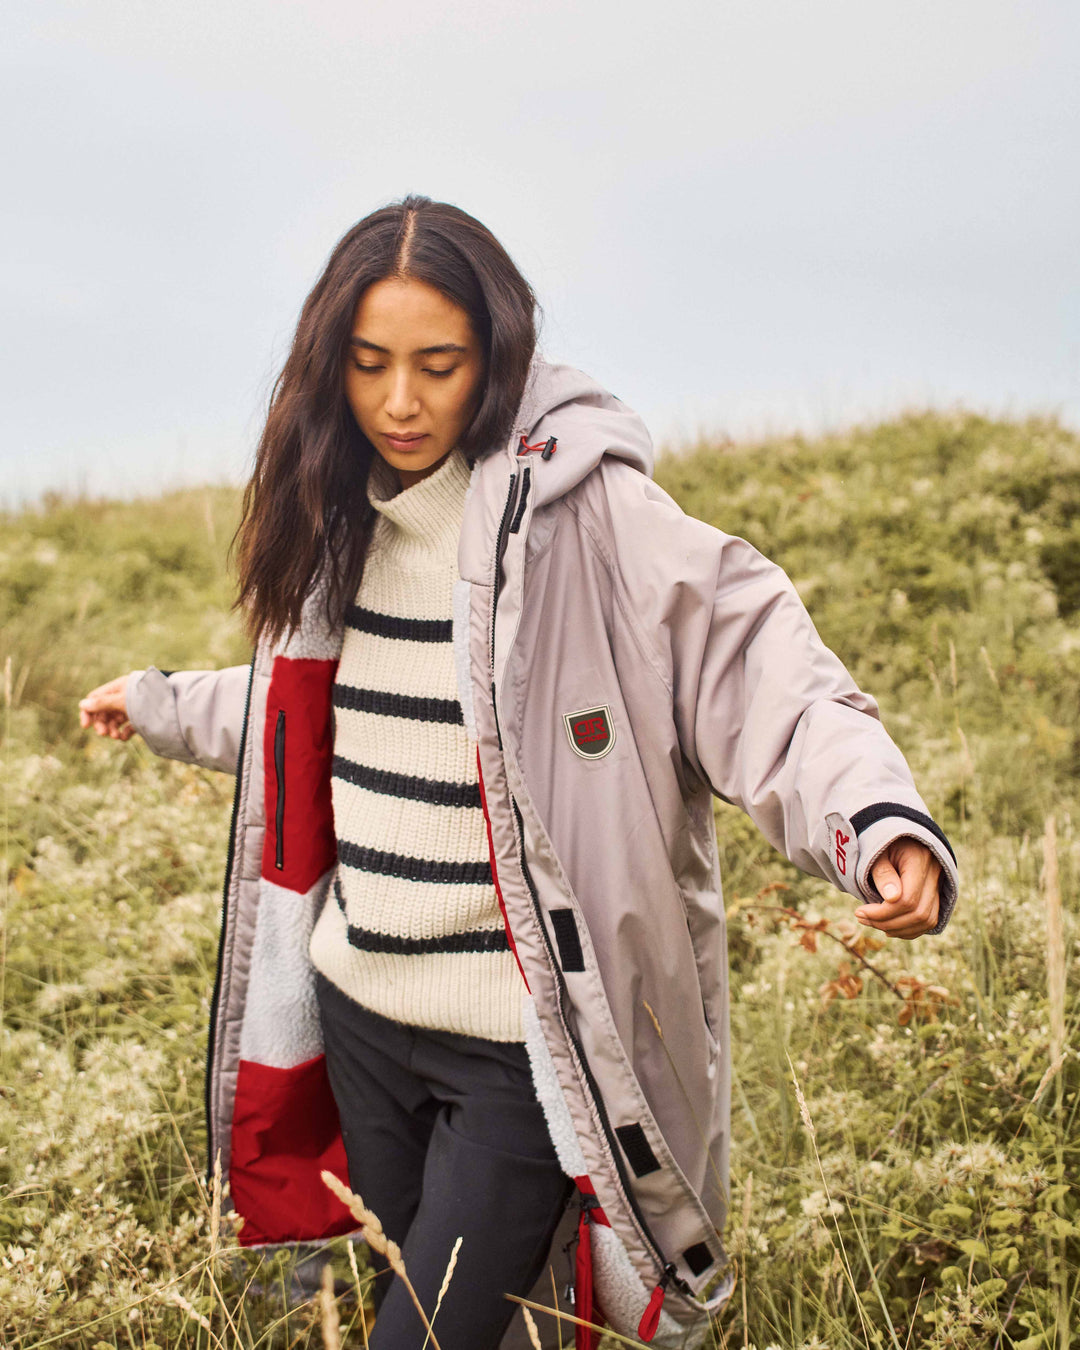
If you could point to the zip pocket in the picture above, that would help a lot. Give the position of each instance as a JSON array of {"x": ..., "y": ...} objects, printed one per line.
[{"x": 279, "y": 770}]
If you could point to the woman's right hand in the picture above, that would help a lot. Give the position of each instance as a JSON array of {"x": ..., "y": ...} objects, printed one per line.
[{"x": 105, "y": 709}]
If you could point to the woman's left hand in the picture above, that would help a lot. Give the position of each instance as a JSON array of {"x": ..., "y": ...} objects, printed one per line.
[{"x": 906, "y": 876}]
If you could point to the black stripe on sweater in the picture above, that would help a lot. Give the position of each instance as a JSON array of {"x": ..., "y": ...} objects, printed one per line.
[
  {"x": 479, "y": 940},
  {"x": 429, "y": 790},
  {"x": 377, "y": 701},
  {"x": 391, "y": 626},
  {"x": 482, "y": 940},
  {"x": 413, "y": 869}
]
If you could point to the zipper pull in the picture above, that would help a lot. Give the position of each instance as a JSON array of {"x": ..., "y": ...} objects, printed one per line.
[{"x": 650, "y": 1318}]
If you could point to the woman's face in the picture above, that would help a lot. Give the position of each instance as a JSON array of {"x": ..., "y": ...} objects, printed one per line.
[{"x": 413, "y": 374}]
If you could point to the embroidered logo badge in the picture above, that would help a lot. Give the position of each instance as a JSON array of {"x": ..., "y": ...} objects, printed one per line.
[
  {"x": 842, "y": 840},
  {"x": 591, "y": 732},
  {"x": 843, "y": 845}
]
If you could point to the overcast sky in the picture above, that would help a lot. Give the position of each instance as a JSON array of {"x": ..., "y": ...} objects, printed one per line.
[{"x": 739, "y": 216}]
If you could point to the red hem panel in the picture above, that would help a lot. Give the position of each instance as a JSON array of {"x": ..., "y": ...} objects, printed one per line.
[{"x": 285, "y": 1132}]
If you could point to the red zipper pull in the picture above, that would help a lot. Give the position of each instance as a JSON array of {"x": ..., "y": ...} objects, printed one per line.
[{"x": 650, "y": 1318}]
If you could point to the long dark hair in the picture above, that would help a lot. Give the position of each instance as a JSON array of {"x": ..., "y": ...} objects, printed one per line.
[{"x": 305, "y": 513}]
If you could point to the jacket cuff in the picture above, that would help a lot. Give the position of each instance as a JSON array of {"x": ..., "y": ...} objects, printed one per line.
[
  {"x": 878, "y": 826},
  {"x": 151, "y": 710}
]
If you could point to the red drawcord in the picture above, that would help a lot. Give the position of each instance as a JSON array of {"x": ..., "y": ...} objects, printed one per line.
[{"x": 546, "y": 448}]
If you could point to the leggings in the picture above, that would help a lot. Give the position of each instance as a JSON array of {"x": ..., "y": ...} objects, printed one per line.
[{"x": 444, "y": 1138}]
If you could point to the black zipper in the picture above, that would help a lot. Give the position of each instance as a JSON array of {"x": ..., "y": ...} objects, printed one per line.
[
  {"x": 496, "y": 584},
  {"x": 216, "y": 998},
  {"x": 500, "y": 544},
  {"x": 523, "y": 501},
  {"x": 614, "y": 1148},
  {"x": 279, "y": 771}
]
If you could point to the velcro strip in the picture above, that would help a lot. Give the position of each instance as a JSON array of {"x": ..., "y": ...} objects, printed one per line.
[
  {"x": 870, "y": 815},
  {"x": 636, "y": 1147},
  {"x": 698, "y": 1258},
  {"x": 566, "y": 935}
]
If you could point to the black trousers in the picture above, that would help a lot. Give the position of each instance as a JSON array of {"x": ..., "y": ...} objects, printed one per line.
[{"x": 444, "y": 1139}]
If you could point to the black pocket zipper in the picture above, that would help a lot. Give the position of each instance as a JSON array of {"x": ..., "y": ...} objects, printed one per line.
[{"x": 279, "y": 769}]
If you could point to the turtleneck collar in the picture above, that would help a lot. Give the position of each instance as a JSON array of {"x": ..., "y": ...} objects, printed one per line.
[{"x": 419, "y": 523}]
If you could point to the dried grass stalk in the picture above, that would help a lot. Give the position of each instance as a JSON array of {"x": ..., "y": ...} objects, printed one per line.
[
  {"x": 443, "y": 1287},
  {"x": 351, "y": 1249},
  {"x": 804, "y": 1110},
  {"x": 328, "y": 1310},
  {"x": 838, "y": 1246},
  {"x": 575, "y": 1321},
  {"x": 530, "y": 1327},
  {"x": 1055, "y": 942},
  {"x": 215, "y": 1207},
  {"x": 377, "y": 1240},
  {"x": 555, "y": 1303},
  {"x": 448, "y": 1276},
  {"x": 1048, "y": 1078},
  {"x": 215, "y": 1243},
  {"x": 175, "y": 1296},
  {"x": 747, "y": 1206}
]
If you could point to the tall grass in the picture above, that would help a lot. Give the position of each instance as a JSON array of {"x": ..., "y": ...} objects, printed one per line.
[{"x": 932, "y": 1204}]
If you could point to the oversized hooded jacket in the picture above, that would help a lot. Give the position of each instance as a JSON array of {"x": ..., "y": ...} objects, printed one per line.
[{"x": 618, "y": 663}]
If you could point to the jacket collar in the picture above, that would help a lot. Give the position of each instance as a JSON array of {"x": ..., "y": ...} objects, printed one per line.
[{"x": 588, "y": 424}]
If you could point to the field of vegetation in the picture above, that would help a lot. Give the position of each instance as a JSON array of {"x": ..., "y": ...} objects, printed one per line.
[{"x": 906, "y": 1116}]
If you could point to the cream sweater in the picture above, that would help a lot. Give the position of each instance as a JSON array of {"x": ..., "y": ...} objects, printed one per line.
[{"x": 412, "y": 928}]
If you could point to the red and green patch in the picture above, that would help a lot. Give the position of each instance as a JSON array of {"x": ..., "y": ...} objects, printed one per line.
[{"x": 590, "y": 731}]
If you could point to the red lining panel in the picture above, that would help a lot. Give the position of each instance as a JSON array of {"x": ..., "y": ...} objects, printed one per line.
[
  {"x": 301, "y": 689},
  {"x": 285, "y": 1132}
]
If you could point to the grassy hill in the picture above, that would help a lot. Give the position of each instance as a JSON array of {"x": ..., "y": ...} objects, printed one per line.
[{"x": 904, "y": 1147}]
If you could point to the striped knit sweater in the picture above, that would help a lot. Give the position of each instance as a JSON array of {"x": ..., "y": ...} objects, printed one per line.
[{"x": 411, "y": 928}]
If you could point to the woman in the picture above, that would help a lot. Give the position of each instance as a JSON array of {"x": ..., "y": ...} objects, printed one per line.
[{"x": 473, "y": 942}]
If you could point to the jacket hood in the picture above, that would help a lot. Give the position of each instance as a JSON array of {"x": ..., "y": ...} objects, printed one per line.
[{"x": 587, "y": 422}]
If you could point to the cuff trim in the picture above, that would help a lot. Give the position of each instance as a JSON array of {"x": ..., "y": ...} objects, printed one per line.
[{"x": 870, "y": 815}]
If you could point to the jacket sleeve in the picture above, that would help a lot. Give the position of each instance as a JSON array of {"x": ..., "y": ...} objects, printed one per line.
[
  {"x": 766, "y": 714},
  {"x": 192, "y": 715}
]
